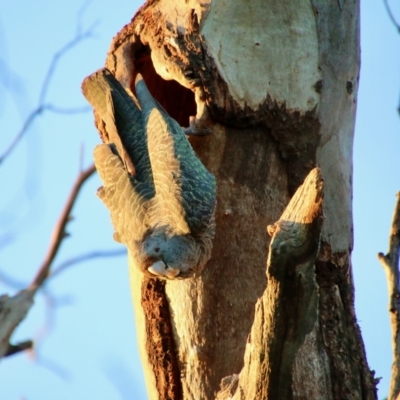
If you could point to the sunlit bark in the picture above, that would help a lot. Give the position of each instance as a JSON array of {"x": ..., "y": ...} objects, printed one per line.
[{"x": 276, "y": 83}]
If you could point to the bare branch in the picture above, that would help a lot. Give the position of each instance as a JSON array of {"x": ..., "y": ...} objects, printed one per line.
[
  {"x": 51, "y": 303},
  {"x": 42, "y": 106},
  {"x": 14, "y": 309},
  {"x": 11, "y": 282},
  {"x": 33, "y": 115},
  {"x": 390, "y": 264},
  {"x": 391, "y": 16},
  {"x": 79, "y": 37},
  {"x": 28, "y": 122},
  {"x": 20, "y": 285},
  {"x": 62, "y": 110},
  {"x": 79, "y": 18},
  {"x": 85, "y": 257},
  {"x": 18, "y": 303},
  {"x": 59, "y": 231}
]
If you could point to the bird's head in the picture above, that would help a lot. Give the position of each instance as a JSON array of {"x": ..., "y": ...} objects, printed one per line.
[{"x": 169, "y": 256}]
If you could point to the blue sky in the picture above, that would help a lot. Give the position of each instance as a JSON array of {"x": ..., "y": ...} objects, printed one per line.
[{"x": 84, "y": 325}]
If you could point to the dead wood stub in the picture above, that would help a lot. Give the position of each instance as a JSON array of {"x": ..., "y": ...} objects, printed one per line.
[
  {"x": 160, "y": 343},
  {"x": 287, "y": 311}
]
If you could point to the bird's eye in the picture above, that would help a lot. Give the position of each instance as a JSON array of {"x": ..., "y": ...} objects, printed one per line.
[{"x": 157, "y": 249}]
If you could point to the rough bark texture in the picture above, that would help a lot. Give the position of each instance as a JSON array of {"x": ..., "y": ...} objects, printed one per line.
[
  {"x": 390, "y": 264},
  {"x": 158, "y": 330},
  {"x": 276, "y": 82},
  {"x": 284, "y": 356}
]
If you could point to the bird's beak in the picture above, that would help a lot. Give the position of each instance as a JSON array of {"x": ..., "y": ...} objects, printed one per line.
[{"x": 159, "y": 268}]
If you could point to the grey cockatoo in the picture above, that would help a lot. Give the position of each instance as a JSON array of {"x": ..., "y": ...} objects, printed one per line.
[{"x": 161, "y": 197}]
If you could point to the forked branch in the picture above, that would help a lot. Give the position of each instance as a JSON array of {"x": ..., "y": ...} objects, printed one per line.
[{"x": 43, "y": 105}]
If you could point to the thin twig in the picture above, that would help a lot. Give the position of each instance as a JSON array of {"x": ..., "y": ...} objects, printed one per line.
[
  {"x": 391, "y": 16},
  {"x": 50, "y": 317},
  {"x": 53, "y": 64},
  {"x": 390, "y": 264},
  {"x": 79, "y": 18},
  {"x": 33, "y": 115},
  {"x": 42, "y": 106},
  {"x": 85, "y": 257},
  {"x": 52, "y": 302},
  {"x": 11, "y": 282},
  {"x": 28, "y": 122},
  {"x": 59, "y": 231}
]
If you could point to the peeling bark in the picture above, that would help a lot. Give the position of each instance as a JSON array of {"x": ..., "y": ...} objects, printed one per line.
[{"x": 277, "y": 85}]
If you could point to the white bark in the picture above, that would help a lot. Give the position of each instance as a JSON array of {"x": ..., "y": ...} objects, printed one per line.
[{"x": 267, "y": 48}]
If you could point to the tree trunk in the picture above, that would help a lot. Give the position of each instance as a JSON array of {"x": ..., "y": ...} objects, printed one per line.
[{"x": 276, "y": 83}]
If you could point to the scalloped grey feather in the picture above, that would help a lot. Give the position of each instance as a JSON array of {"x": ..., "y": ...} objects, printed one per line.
[{"x": 163, "y": 208}]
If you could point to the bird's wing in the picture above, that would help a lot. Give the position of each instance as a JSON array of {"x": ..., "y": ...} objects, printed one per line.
[
  {"x": 125, "y": 197},
  {"x": 123, "y": 120},
  {"x": 183, "y": 185}
]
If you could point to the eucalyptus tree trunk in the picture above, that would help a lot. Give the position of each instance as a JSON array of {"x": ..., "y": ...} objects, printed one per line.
[{"x": 275, "y": 82}]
